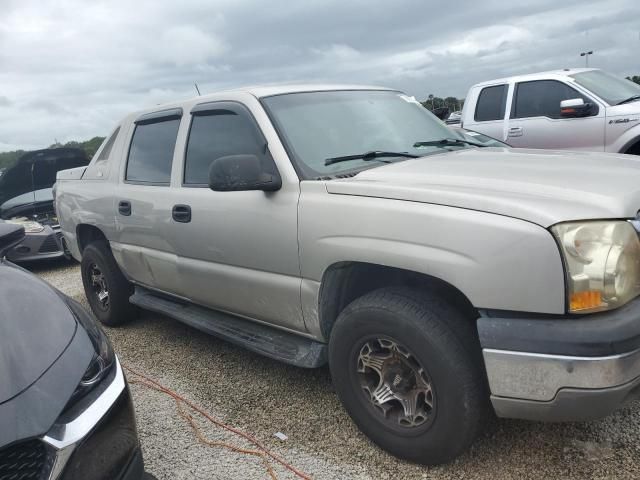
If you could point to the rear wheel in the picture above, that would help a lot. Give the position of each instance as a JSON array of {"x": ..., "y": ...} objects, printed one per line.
[
  {"x": 105, "y": 286},
  {"x": 407, "y": 368}
]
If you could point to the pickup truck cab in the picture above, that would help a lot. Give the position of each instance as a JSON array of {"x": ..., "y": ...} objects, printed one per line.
[
  {"x": 439, "y": 278},
  {"x": 572, "y": 109}
]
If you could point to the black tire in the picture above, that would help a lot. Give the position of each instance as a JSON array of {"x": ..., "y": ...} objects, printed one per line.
[
  {"x": 443, "y": 343},
  {"x": 118, "y": 310}
]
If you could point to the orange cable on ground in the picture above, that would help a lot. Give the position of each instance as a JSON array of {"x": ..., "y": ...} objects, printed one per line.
[{"x": 262, "y": 451}]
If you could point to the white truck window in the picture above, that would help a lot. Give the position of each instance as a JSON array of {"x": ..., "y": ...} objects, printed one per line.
[
  {"x": 541, "y": 98},
  {"x": 491, "y": 104}
]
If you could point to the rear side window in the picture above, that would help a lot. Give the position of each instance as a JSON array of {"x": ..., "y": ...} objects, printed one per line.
[
  {"x": 541, "y": 98},
  {"x": 491, "y": 104},
  {"x": 151, "y": 152},
  {"x": 218, "y": 133}
]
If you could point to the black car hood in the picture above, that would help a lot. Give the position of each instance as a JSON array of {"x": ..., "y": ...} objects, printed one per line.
[
  {"x": 36, "y": 327},
  {"x": 25, "y": 186}
]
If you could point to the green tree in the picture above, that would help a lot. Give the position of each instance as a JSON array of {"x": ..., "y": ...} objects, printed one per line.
[
  {"x": 635, "y": 79},
  {"x": 452, "y": 103},
  {"x": 89, "y": 146}
]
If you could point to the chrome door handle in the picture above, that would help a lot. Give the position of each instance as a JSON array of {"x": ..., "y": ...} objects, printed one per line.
[{"x": 516, "y": 131}]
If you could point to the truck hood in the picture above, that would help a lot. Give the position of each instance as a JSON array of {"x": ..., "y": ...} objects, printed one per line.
[
  {"x": 543, "y": 187},
  {"x": 35, "y": 329}
]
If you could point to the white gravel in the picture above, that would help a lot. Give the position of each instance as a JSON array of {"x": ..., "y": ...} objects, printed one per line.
[{"x": 262, "y": 397}]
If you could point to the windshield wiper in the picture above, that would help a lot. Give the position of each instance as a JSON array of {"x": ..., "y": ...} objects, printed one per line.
[
  {"x": 368, "y": 156},
  {"x": 447, "y": 142},
  {"x": 632, "y": 98}
]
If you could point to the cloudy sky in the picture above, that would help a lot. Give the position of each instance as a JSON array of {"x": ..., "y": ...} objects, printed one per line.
[{"x": 70, "y": 69}]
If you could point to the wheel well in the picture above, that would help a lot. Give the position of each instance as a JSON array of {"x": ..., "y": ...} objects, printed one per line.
[
  {"x": 343, "y": 282},
  {"x": 87, "y": 234},
  {"x": 634, "y": 149}
]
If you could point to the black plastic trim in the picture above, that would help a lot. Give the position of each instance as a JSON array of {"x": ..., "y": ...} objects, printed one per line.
[
  {"x": 595, "y": 335},
  {"x": 159, "y": 116},
  {"x": 263, "y": 339}
]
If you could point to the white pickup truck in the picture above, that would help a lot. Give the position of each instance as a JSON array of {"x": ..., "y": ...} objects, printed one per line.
[{"x": 572, "y": 109}]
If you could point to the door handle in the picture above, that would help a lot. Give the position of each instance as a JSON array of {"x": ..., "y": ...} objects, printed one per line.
[
  {"x": 516, "y": 131},
  {"x": 181, "y": 213},
  {"x": 124, "y": 208}
]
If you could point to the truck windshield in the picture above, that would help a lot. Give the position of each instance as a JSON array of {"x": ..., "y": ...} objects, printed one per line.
[
  {"x": 317, "y": 126},
  {"x": 611, "y": 89}
]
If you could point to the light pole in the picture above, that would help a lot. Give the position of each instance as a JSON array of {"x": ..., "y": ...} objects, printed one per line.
[{"x": 586, "y": 57}]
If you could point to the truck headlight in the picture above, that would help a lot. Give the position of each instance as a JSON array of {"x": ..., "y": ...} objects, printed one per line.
[
  {"x": 30, "y": 226},
  {"x": 603, "y": 263}
]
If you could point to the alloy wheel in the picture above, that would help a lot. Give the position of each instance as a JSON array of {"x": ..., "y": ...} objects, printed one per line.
[
  {"x": 99, "y": 286},
  {"x": 395, "y": 383}
]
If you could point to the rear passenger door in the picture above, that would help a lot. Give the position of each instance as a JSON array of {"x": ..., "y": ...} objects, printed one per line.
[
  {"x": 238, "y": 252},
  {"x": 143, "y": 242},
  {"x": 535, "y": 120},
  {"x": 490, "y": 111}
]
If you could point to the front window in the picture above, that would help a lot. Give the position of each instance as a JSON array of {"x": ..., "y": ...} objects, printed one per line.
[
  {"x": 611, "y": 89},
  {"x": 541, "y": 98},
  {"x": 316, "y": 126}
]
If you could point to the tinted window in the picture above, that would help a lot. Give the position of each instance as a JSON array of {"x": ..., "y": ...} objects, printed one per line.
[
  {"x": 542, "y": 98},
  {"x": 151, "y": 152},
  {"x": 491, "y": 103},
  {"x": 216, "y": 134},
  {"x": 106, "y": 151}
]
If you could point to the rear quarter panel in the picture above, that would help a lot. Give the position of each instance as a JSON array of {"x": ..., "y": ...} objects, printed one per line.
[{"x": 90, "y": 201}]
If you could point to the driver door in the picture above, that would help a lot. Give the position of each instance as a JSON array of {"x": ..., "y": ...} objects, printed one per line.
[
  {"x": 535, "y": 120},
  {"x": 238, "y": 251}
]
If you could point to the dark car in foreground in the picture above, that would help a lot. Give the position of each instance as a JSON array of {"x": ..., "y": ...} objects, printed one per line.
[
  {"x": 65, "y": 408},
  {"x": 26, "y": 198}
]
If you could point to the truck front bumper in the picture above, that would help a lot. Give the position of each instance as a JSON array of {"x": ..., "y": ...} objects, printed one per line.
[{"x": 561, "y": 368}]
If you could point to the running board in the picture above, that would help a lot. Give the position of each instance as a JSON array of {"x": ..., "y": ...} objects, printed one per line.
[{"x": 268, "y": 341}]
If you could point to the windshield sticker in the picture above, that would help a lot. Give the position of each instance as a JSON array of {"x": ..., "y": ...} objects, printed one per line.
[{"x": 409, "y": 99}]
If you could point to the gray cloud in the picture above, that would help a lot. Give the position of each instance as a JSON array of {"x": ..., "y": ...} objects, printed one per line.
[{"x": 73, "y": 68}]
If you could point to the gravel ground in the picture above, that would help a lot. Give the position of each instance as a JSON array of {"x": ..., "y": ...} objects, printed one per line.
[{"x": 262, "y": 397}]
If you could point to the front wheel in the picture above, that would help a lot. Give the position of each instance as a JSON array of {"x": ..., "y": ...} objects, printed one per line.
[
  {"x": 105, "y": 286},
  {"x": 407, "y": 369}
]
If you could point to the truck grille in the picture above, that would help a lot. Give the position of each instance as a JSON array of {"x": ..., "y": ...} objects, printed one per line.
[
  {"x": 24, "y": 461},
  {"x": 51, "y": 244}
]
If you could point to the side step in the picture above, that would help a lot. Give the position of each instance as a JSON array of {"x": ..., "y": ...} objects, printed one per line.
[{"x": 270, "y": 342}]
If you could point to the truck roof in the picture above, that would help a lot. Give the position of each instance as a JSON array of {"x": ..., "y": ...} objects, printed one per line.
[
  {"x": 564, "y": 72},
  {"x": 261, "y": 91}
]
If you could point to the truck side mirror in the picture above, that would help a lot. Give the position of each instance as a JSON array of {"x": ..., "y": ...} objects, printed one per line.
[
  {"x": 234, "y": 173},
  {"x": 575, "y": 108}
]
